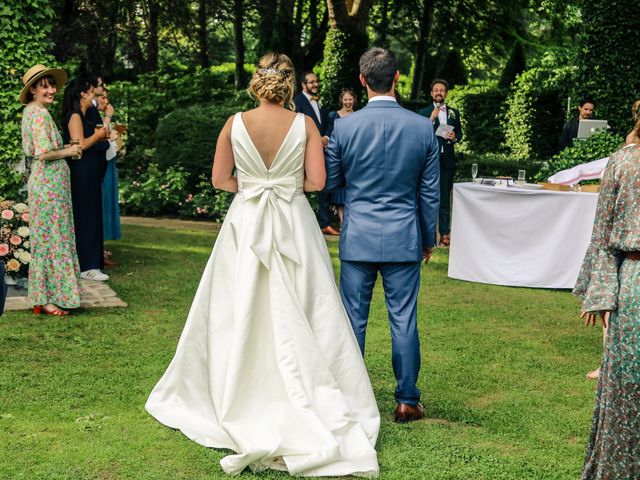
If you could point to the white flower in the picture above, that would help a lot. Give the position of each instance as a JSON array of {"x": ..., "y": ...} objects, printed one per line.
[
  {"x": 20, "y": 207},
  {"x": 26, "y": 244},
  {"x": 23, "y": 232},
  {"x": 25, "y": 257}
]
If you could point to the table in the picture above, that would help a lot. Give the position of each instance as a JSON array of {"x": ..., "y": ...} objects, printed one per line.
[{"x": 517, "y": 237}]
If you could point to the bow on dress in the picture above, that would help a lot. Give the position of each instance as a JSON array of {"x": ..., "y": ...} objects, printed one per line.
[{"x": 272, "y": 230}]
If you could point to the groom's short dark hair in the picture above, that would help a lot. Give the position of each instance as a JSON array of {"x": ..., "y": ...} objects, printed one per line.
[{"x": 378, "y": 66}]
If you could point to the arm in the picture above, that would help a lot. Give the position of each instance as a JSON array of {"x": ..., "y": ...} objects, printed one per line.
[
  {"x": 315, "y": 174},
  {"x": 597, "y": 282},
  {"x": 333, "y": 160},
  {"x": 222, "y": 176},
  {"x": 77, "y": 132},
  {"x": 429, "y": 193}
]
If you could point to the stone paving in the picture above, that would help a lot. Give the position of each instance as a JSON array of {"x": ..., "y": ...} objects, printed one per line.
[{"x": 94, "y": 294}]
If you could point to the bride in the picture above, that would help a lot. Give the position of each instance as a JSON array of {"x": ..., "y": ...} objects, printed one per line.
[{"x": 267, "y": 364}]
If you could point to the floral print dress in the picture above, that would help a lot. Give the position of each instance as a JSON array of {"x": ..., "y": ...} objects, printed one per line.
[
  {"x": 610, "y": 281},
  {"x": 54, "y": 272}
]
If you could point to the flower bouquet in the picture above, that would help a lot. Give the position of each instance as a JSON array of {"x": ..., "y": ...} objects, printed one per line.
[{"x": 14, "y": 240}]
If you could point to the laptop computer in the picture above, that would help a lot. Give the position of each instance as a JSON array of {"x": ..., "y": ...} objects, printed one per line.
[{"x": 586, "y": 128}]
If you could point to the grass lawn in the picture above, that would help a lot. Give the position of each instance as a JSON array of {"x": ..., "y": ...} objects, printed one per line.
[{"x": 502, "y": 378}]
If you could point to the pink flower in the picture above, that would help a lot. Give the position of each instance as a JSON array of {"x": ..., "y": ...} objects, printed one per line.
[
  {"x": 25, "y": 217},
  {"x": 15, "y": 240},
  {"x": 4, "y": 249},
  {"x": 7, "y": 214}
]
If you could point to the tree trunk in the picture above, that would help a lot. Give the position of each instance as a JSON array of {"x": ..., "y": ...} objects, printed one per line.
[
  {"x": 346, "y": 41},
  {"x": 240, "y": 75},
  {"x": 202, "y": 33},
  {"x": 266, "y": 8},
  {"x": 152, "y": 36},
  {"x": 421, "y": 48},
  {"x": 384, "y": 24}
]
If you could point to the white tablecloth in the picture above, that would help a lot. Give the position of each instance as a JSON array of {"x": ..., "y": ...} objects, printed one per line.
[{"x": 525, "y": 238}]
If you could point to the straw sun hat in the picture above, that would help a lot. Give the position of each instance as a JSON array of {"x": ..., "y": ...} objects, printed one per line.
[{"x": 35, "y": 73}]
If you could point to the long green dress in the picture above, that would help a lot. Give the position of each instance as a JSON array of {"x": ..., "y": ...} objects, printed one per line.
[
  {"x": 54, "y": 272},
  {"x": 609, "y": 281}
]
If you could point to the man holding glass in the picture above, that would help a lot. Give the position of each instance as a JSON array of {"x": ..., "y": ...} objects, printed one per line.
[{"x": 448, "y": 129}]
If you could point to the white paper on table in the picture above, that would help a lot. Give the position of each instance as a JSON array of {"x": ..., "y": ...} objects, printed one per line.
[
  {"x": 444, "y": 130},
  {"x": 584, "y": 171}
]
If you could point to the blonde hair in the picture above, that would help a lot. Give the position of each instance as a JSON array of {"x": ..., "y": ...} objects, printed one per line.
[{"x": 274, "y": 80}]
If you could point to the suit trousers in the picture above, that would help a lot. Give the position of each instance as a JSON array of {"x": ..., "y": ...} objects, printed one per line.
[
  {"x": 446, "y": 185},
  {"x": 401, "y": 283},
  {"x": 324, "y": 215}
]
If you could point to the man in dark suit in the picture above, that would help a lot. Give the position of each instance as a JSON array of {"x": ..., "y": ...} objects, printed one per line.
[
  {"x": 307, "y": 103},
  {"x": 439, "y": 113},
  {"x": 386, "y": 158},
  {"x": 570, "y": 129},
  {"x": 3, "y": 288}
]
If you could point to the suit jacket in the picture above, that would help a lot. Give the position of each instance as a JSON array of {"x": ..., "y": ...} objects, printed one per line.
[
  {"x": 447, "y": 153},
  {"x": 386, "y": 157},
  {"x": 303, "y": 105},
  {"x": 3, "y": 288},
  {"x": 569, "y": 132}
]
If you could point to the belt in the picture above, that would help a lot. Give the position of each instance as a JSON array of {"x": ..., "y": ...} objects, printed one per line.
[{"x": 633, "y": 256}]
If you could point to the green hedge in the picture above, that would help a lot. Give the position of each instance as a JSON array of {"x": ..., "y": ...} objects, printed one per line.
[
  {"x": 142, "y": 103},
  {"x": 608, "y": 66},
  {"x": 495, "y": 164},
  {"x": 535, "y": 112},
  {"x": 595, "y": 147},
  {"x": 482, "y": 109},
  {"x": 24, "y": 42},
  {"x": 187, "y": 137}
]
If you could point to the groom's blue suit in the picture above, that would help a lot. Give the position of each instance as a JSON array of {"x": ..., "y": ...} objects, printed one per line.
[{"x": 387, "y": 158}]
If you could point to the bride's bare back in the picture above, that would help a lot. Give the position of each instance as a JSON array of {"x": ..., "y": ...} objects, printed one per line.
[{"x": 268, "y": 127}]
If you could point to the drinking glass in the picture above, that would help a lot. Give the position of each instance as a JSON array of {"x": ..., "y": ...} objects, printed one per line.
[
  {"x": 474, "y": 171},
  {"x": 522, "y": 176}
]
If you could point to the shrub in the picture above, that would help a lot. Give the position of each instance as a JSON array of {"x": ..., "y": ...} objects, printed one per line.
[
  {"x": 493, "y": 165},
  {"x": 24, "y": 29},
  {"x": 186, "y": 138},
  {"x": 142, "y": 103},
  {"x": 158, "y": 191},
  {"x": 482, "y": 107},
  {"x": 535, "y": 112},
  {"x": 595, "y": 147}
]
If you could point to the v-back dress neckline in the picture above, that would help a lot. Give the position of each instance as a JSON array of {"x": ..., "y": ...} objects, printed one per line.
[{"x": 257, "y": 152}]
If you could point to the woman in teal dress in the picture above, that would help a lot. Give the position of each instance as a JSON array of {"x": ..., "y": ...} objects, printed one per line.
[
  {"x": 54, "y": 272},
  {"x": 609, "y": 285}
]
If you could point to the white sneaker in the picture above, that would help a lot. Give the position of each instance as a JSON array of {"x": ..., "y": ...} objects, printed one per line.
[{"x": 95, "y": 275}]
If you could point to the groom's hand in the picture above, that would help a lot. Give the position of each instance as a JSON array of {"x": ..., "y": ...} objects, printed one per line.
[{"x": 426, "y": 254}]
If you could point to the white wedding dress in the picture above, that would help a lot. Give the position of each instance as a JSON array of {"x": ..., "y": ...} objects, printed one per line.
[{"x": 267, "y": 364}]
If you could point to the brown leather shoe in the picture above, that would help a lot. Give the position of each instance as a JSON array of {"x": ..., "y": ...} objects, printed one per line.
[
  {"x": 406, "y": 413},
  {"x": 329, "y": 230}
]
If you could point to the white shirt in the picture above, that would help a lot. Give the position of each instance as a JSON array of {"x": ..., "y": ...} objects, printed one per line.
[
  {"x": 442, "y": 114},
  {"x": 315, "y": 107},
  {"x": 388, "y": 98}
]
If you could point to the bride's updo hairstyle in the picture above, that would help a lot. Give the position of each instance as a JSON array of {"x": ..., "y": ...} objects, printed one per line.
[{"x": 274, "y": 80}]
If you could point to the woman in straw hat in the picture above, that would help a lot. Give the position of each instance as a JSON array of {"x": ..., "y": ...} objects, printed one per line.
[{"x": 54, "y": 272}]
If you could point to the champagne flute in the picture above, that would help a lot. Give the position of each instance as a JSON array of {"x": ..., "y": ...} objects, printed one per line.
[{"x": 474, "y": 171}]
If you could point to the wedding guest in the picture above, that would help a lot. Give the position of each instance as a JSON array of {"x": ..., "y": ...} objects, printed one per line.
[
  {"x": 609, "y": 285},
  {"x": 634, "y": 135},
  {"x": 307, "y": 102},
  {"x": 3, "y": 289},
  {"x": 570, "y": 130},
  {"x": 86, "y": 176},
  {"x": 347, "y": 102},
  {"x": 54, "y": 273},
  {"x": 110, "y": 207},
  {"x": 441, "y": 114}
]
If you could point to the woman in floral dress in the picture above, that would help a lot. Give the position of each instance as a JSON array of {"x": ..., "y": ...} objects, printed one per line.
[
  {"x": 54, "y": 273},
  {"x": 609, "y": 285}
]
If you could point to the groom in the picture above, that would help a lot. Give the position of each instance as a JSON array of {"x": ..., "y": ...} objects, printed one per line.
[{"x": 386, "y": 157}]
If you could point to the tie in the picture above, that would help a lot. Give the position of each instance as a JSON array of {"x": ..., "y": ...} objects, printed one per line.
[
  {"x": 315, "y": 99},
  {"x": 443, "y": 108}
]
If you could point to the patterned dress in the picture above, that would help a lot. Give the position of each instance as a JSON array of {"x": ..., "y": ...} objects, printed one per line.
[
  {"x": 54, "y": 272},
  {"x": 609, "y": 281}
]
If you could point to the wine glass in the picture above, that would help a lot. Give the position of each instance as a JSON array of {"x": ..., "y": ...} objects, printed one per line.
[{"x": 474, "y": 171}]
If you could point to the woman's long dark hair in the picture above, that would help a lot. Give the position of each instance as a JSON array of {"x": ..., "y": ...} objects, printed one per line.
[{"x": 71, "y": 98}]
